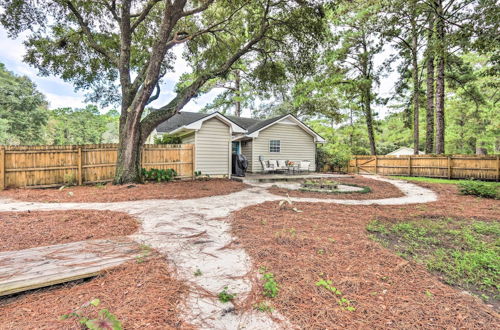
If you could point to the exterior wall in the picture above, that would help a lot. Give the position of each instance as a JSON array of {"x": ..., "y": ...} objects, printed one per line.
[
  {"x": 296, "y": 145},
  {"x": 213, "y": 148},
  {"x": 189, "y": 139},
  {"x": 246, "y": 150}
]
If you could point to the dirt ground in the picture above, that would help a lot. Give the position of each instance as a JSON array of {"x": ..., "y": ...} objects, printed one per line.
[
  {"x": 330, "y": 242},
  {"x": 379, "y": 189},
  {"x": 141, "y": 295},
  {"x": 24, "y": 230},
  {"x": 111, "y": 193}
]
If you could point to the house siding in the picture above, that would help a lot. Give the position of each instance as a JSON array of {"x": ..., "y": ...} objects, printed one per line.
[
  {"x": 188, "y": 139},
  {"x": 213, "y": 143},
  {"x": 296, "y": 145}
]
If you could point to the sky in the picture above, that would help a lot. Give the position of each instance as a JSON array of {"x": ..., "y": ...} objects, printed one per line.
[{"x": 62, "y": 94}]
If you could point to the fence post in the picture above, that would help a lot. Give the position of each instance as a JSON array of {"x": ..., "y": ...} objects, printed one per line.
[
  {"x": 409, "y": 165},
  {"x": 498, "y": 168},
  {"x": 357, "y": 168},
  {"x": 449, "y": 167},
  {"x": 2, "y": 168},
  {"x": 376, "y": 164},
  {"x": 80, "y": 167},
  {"x": 193, "y": 160}
]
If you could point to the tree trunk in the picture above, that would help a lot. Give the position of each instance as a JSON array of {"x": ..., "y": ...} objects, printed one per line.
[
  {"x": 128, "y": 165},
  {"x": 429, "y": 136},
  {"x": 237, "y": 87},
  {"x": 440, "y": 87},
  {"x": 416, "y": 84},
  {"x": 369, "y": 121}
]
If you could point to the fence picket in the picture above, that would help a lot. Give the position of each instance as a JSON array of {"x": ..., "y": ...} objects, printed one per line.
[
  {"x": 43, "y": 166},
  {"x": 486, "y": 167}
]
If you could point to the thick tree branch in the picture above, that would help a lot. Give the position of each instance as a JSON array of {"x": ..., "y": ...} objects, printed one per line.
[
  {"x": 155, "y": 118},
  {"x": 199, "y": 9},
  {"x": 88, "y": 33},
  {"x": 140, "y": 17}
]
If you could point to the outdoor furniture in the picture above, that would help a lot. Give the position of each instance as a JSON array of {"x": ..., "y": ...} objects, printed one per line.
[
  {"x": 304, "y": 166},
  {"x": 282, "y": 165},
  {"x": 265, "y": 167},
  {"x": 274, "y": 164},
  {"x": 293, "y": 169}
]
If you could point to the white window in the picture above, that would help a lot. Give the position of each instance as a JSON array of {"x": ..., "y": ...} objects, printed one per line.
[{"x": 274, "y": 146}]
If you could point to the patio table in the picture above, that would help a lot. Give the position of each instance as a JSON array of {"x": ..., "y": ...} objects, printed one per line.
[{"x": 293, "y": 169}]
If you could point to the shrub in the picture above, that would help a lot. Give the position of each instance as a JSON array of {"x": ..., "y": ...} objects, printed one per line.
[
  {"x": 167, "y": 139},
  {"x": 158, "y": 175},
  {"x": 481, "y": 189}
]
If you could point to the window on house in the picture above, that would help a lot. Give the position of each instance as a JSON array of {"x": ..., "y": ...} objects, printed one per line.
[{"x": 274, "y": 146}]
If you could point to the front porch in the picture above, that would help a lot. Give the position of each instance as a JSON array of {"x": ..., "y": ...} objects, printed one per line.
[{"x": 267, "y": 178}]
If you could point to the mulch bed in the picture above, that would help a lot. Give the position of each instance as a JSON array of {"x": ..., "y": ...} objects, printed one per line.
[
  {"x": 116, "y": 193},
  {"x": 141, "y": 295},
  {"x": 24, "y": 230},
  {"x": 379, "y": 189},
  {"x": 330, "y": 241}
]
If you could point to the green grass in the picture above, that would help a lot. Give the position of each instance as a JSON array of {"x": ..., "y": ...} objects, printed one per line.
[
  {"x": 429, "y": 180},
  {"x": 465, "y": 252}
]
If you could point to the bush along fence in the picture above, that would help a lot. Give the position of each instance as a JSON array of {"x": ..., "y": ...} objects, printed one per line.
[
  {"x": 45, "y": 166},
  {"x": 435, "y": 166}
]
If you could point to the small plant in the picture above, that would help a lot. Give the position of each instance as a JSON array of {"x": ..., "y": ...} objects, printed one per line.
[
  {"x": 105, "y": 320},
  {"x": 100, "y": 185},
  {"x": 197, "y": 173},
  {"x": 145, "y": 252},
  {"x": 328, "y": 285},
  {"x": 481, "y": 189},
  {"x": 198, "y": 272},
  {"x": 69, "y": 179},
  {"x": 343, "y": 302},
  {"x": 158, "y": 175},
  {"x": 225, "y": 296},
  {"x": 270, "y": 286},
  {"x": 264, "y": 306}
]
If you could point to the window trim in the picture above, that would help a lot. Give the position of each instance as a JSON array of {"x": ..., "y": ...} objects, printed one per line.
[{"x": 278, "y": 146}]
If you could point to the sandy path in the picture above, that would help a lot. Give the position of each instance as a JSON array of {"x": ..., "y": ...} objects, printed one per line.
[{"x": 193, "y": 234}]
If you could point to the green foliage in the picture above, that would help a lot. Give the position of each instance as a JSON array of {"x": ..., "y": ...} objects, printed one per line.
[
  {"x": 159, "y": 175},
  {"x": 264, "y": 306},
  {"x": 270, "y": 286},
  {"x": 481, "y": 189},
  {"x": 104, "y": 320},
  {"x": 167, "y": 139},
  {"x": 81, "y": 126},
  {"x": 343, "y": 302},
  {"x": 429, "y": 180},
  {"x": 23, "y": 110},
  {"x": 464, "y": 252},
  {"x": 328, "y": 285},
  {"x": 198, "y": 272},
  {"x": 224, "y": 296}
]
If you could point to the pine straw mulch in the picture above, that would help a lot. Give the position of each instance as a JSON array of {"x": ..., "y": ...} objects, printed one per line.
[
  {"x": 379, "y": 189},
  {"x": 330, "y": 241},
  {"x": 141, "y": 295},
  {"x": 24, "y": 230},
  {"x": 120, "y": 193}
]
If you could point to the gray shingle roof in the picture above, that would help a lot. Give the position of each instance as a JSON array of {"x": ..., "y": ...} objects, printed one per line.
[
  {"x": 180, "y": 119},
  {"x": 185, "y": 118}
]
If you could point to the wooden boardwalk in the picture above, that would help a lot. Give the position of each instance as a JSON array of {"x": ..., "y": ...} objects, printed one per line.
[{"x": 48, "y": 265}]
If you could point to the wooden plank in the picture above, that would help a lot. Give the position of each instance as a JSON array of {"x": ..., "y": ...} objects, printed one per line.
[
  {"x": 498, "y": 168},
  {"x": 80, "y": 169},
  {"x": 44, "y": 266},
  {"x": 449, "y": 167},
  {"x": 2, "y": 168},
  {"x": 409, "y": 165}
]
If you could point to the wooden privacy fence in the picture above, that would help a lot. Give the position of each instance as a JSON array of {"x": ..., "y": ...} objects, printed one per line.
[
  {"x": 44, "y": 166},
  {"x": 439, "y": 166}
]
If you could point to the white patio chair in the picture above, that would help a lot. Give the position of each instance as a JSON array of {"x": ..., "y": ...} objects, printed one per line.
[
  {"x": 282, "y": 165},
  {"x": 266, "y": 168},
  {"x": 274, "y": 164},
  {"x": 304, "y": 166}
]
